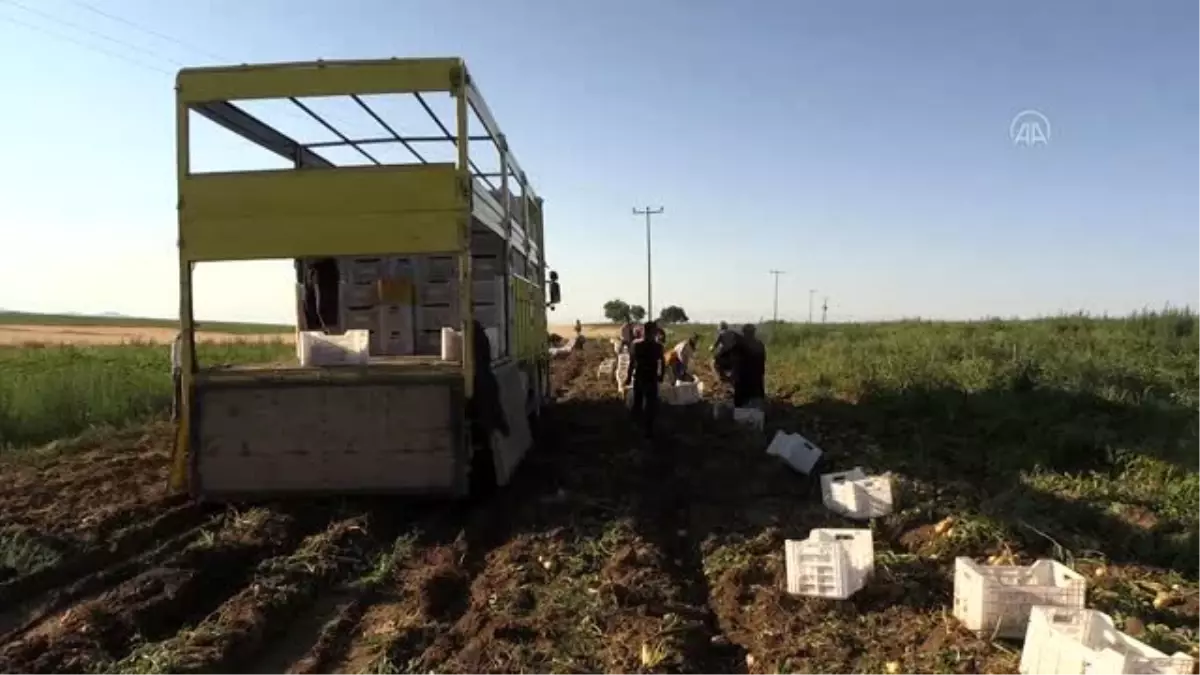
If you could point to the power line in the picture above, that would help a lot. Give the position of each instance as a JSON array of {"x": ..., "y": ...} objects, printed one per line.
[
  {"x": 149, "y": 31},
  {"x": 775, "y": 313},
  {"x": 824, "y": 309},
  {"x": 649, "y": 284},
  {"x": 89, "y": 31},
  {"x": 95, "y": 48}
]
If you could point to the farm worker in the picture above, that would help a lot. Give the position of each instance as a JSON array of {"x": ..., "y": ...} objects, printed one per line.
[
  {"x": 627, "y": 334},
  {"x": 176, "y": 375},
  {"x": 749, "y": 369},
  {"x": 680, "y": 358},
  {"x": 722, "y": 351},
  {"x": 660, "y": 334},
  {"x": 485, "y": 407},
  {"x": 645, "y": 372},
  {"x": 578, "y": 327}
]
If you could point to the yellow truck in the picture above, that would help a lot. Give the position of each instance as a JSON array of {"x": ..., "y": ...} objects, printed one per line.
[{"x": 407, "y": 255}]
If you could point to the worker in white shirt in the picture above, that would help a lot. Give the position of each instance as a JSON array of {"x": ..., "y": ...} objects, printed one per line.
[
  {"x": 176, "y": 375},
  {"x": 679, "y": 359}
]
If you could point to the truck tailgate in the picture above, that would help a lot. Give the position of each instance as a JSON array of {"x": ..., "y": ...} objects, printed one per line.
[{"x": 262, "y": 437}]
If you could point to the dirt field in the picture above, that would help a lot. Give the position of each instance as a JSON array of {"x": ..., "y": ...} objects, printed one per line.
[
  {"x": 16, "y": 334},
  {"x": 607, "y": 554}
]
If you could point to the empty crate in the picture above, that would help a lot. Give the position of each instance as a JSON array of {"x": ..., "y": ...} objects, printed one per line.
[
  {"x": 794, "y": 449},
  {"x": 830, "y": 563},
  {"x": 997, "y": 598},
  {"x": 1061, "y": 641},
  {"x": 856, "y": 495}
]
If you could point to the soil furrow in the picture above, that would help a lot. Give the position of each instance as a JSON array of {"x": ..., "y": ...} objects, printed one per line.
[
  {"x": 233, "y": 635},
  {"x": 119, "y": 546},
  {"x": 156, "y": 602}
]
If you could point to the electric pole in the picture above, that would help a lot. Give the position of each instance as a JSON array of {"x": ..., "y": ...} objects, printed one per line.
[
  {"x": 649, "y": 283},
  {"x": 824, "y": 309},
  {"x": 776, "y": 274},
  {"x": 811, "y": 291}
]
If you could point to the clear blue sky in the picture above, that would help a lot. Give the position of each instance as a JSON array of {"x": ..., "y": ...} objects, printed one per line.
[{"x": 861, "y": 146}]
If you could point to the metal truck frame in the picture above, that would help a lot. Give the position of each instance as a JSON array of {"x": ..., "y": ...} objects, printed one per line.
[{"x": 392, "y": 426}]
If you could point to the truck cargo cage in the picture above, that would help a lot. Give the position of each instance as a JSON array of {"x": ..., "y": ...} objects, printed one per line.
[{"x": 349, "y": 210}]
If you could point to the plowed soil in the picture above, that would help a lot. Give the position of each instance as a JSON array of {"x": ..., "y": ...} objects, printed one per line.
[{"x": 607, "y": 553}]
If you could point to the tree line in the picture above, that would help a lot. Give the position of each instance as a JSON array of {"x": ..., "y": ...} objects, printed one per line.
[{"x": 619, "y": 311}]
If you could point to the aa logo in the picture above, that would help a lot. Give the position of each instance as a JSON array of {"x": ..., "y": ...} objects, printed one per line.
[{"x": 1029, "y": 128}]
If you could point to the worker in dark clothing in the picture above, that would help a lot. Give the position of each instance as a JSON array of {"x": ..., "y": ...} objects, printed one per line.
[
  {"x": 749, "y": 369},
  {"x": 722, "y": 352},
  {"x": 485, "y": 406},
  {"x": 646, "y": 370}
]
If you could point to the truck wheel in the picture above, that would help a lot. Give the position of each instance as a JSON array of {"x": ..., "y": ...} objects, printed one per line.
[{"x": 482, "y": 476}]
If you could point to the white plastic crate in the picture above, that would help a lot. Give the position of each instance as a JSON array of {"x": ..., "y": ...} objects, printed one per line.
[
  {"x": 831, "y": 563},
  {"x": 997, "y": 598},
  {"x": 314, "y": 348},
  {"x": 856, "y": 495},
  {"x": 1062, "y": 641},
  {"x": 794, "y": 449},
  {"x": 686, "y": 393},
  {"x": 606, "y": 368},
  {"x": 752, "y": 417}
]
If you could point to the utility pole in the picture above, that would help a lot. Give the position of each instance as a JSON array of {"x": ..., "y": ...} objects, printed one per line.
[
  {"x": 649, "y": 283},
  {"x": 811, "y": 291},
  {"x": 775, "y": 313},
  {"x": 824, "y": 309}
]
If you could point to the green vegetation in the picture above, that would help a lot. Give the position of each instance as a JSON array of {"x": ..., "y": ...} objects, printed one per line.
[
  {"x": 55, "y": 391},
  {"x": 1073, "y": 435},
  {"x": 26, "y": 318}
]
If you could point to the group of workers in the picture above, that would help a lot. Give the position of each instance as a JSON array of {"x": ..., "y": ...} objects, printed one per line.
[{"x": 738, "y": 358}]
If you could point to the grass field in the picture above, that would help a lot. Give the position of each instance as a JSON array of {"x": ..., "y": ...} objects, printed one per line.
[{"x": 1071, "y": 438}]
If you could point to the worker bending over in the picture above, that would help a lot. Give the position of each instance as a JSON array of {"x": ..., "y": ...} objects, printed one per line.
[
  {"x": 645, "y": 372},
  {"x": 749, "y": 361},
  {"x": 679, "y": 359}
]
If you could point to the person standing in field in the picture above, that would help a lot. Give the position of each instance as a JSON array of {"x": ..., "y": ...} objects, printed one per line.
[
  {"x": 722, "y": 352},
  {"x": 645, "y": 372},
  {"x": 627, "y": 335},
  {"x": 749, "y": 369}
]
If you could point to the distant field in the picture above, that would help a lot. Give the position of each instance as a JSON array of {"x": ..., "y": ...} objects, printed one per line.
[{"x": 25, "y": 318}]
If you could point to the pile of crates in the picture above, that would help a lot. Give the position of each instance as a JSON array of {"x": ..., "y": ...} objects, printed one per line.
[{"x": 406, "y": 301}]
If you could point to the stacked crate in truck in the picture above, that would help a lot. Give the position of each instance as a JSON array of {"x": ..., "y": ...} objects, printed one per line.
[{"x": 405, "y": 301}]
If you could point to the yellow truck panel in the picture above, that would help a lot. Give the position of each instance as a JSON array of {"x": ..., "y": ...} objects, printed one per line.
[{"x": 345, "y": 211}]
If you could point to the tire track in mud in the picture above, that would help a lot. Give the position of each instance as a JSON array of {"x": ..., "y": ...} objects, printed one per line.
[{"x": 165, "y": 591}]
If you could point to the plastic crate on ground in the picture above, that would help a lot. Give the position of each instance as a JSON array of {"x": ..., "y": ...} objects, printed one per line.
[
  {"x": 1062, "y": 641},
  {"x": 606, "y": 368},
  {"x": 751, "y": 417},
  {"x": 683, "y": 393},
  {"x": 794, "y": 449},
  {"x": 856, "y": 495},
  {"x": 997, "y": 598},
  {"x": 830, "y": 563}
]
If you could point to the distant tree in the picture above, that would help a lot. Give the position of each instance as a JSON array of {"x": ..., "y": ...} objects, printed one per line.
[
  {"x": 617, "y": 311},
  {"x": 637, "y": 312},
  {"x": 672, "y": 314}
]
